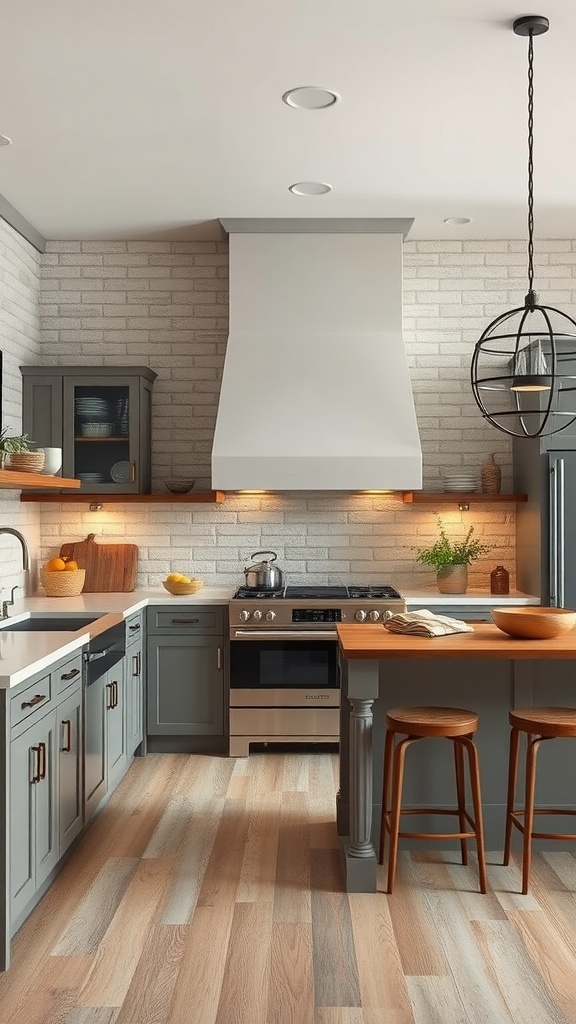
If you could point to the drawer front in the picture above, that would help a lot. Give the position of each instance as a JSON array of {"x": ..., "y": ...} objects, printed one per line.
[
  {"x": 187, "y": 619},
  {"x": 134, "y": 629},
  {"x": 69, "y": 673},
  {"x": 284, "y": 722},
  {"x": 32, "y": 699}
]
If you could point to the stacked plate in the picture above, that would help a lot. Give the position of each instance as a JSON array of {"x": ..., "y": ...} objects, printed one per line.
[
  {"x": 92, "y": 409},
  {"x": 460, "y": 480},
  {"x": 91, "y": 478}
]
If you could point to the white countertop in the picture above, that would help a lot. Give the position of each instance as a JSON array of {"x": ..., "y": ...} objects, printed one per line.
[
  {"x": 424, "y": 597},
  {"x": 24, "y": 654}
]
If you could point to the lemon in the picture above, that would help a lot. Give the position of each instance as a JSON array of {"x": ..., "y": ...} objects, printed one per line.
[
  {"x": 175, "y": 577},
  {"x": 185, "y": 579}
]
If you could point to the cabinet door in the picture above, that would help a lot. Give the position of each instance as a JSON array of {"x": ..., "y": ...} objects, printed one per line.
[
  {"x": 101, "y": 435},
  {"x": 69, "y": 715},
  {"x": 134, "y": 697},
  {"x": 42, "y": 409},
  {"x": 185, "y": 686},
  {"x": 33, "y": 811},
  {"x": 95, "y": 722},
  {"x": 116, "y": 723}
]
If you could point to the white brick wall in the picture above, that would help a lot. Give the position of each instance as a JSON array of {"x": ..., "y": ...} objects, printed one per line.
[
  {"x": 164, "y": 304},
  {"x": 19, "y": 343}
]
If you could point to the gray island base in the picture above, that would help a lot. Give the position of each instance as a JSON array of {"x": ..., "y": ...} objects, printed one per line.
[{"x": 486, "y": 672}]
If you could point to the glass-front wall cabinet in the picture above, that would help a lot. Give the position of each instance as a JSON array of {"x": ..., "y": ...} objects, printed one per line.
[{"x": 100, "y": 416}]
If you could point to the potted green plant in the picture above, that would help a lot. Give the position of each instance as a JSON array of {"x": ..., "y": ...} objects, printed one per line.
[{"x": 451, "y": 559}]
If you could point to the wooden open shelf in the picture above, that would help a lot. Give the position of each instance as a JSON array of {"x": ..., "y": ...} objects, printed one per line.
[
  {"x": 12, "y": 478},
  {"x": 109, "y": 498},
  {"x": 427, "y": 497}
]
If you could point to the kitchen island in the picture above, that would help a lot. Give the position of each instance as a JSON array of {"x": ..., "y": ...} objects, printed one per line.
[{"x": 485, "y": 671}]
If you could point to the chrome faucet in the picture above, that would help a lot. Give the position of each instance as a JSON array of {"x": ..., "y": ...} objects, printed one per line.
[{"x": 18, "y": 535}]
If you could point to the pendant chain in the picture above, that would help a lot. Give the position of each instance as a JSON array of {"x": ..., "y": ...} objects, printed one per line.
[{"x": 530, "y": 164}]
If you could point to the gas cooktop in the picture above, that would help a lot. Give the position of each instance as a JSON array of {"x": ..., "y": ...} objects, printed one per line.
[{"x": 348, "y": 593}]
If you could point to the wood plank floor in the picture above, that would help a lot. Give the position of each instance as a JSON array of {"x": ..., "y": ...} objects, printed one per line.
[{"x": 209, "y": 891}]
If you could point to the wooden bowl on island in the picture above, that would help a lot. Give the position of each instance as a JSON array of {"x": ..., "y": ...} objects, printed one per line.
[
  {"x": 534, "y": 623},
  {"x": 180, "y": 589}
]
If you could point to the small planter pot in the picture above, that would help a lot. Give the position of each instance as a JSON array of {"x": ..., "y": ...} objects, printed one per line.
[{"x": 452, "y": 579}]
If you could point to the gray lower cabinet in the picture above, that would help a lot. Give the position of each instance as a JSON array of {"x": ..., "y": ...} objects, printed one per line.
[
  {"x": 105, "y": 757},
  {"x": 185, "y": 672},
  {"x": 69, "y": 735},
  {"x": 134, "y": 682},
  {"x": 33, "y": 819},
  {"x": 45, "y": 779}
]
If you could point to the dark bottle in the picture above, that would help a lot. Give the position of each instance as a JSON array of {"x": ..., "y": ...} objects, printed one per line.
[{"x": 499, "y": 580}]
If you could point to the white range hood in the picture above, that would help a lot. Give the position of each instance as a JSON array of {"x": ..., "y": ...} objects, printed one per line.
[{"x": 316, "y": 392}]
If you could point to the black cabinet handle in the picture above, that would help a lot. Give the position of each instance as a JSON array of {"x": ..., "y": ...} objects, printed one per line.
[
  {"x": 35, "y": 700},
  {"x": 67, "y": 746},
  {"x": 35, "y": 764},
  {"x": 134, "y": 628},
  {"x": 41, "y": 760},
  {"x": 184, "y": 622},
  {"x": 70, "y": 675},
  {"x": 110, "y": 703}
]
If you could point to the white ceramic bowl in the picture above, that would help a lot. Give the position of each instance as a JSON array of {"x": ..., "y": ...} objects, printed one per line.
[{"x": 52, "y": 460}]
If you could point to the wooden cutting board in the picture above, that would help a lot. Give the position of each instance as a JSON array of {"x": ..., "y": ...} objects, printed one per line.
[{"x": 109, "y": 567}]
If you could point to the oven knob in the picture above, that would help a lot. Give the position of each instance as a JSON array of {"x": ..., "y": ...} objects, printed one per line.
[
  {"x": 257, "y": 615},
  {"x": 360, "y": 616},
  {"x": 270, "y": 616},
  {"x": 374, "y": 616},
  {"x": 244, "y": 616}
]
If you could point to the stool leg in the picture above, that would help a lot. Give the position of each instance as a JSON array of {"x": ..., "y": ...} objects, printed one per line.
[
  {"x": 477, "y": 802},
  {"x": 512, "y": 779},
  {"x": 397, "y": 782},
  {"x": 531, "y": 755},
  {"x": 386, "y": 781},
  {"x": 461, "y": 797}
]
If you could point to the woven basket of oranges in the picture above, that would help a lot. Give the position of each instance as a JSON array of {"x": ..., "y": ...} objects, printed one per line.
[{"x": 61, "y": 577}]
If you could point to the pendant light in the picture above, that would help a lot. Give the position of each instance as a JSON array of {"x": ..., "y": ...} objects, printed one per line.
[{"x": 524, "y": 365}]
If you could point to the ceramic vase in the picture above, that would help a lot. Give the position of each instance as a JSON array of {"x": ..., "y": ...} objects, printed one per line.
[
  {"x": 452, "y": 579},
  {"x": 491, "y": 476}
]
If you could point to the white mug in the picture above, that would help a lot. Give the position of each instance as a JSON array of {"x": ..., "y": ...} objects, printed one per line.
[{"x": 52, "y": 460}]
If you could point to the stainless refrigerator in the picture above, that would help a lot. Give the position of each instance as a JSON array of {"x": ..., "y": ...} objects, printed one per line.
[{"x": 545, "y": 470}]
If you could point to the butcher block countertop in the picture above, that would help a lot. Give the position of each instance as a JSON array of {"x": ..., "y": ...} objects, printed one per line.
[{"x": 487, "y": 641}]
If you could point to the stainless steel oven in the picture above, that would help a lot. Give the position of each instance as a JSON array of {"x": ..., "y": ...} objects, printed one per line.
[{"x": 284, "y": 679}]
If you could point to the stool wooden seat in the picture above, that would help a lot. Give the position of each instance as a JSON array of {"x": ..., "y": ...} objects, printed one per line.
[
  {"x": 418, "y": 723},
  {"x": 538, "y": 724}
]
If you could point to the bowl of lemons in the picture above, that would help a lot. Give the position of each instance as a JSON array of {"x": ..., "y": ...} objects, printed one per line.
[{"x": 180, "y": 585}]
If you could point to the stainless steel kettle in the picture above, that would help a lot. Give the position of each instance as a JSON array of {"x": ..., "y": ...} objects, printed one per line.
[{"x": 263, "y": 575}]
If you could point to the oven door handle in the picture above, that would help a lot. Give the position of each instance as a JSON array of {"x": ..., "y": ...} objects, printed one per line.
[{"x": 284, "y": 634}]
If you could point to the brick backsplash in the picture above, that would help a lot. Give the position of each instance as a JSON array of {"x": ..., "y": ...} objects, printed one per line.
[{"x": 164, "y": 304}]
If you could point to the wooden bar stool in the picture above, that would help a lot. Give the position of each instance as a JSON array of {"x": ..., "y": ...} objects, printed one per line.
[
  {"x": 539, "y": 724},
  {"x": 415, "y": 724}
]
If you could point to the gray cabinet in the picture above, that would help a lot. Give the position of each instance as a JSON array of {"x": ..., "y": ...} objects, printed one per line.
[
  {"x": 33, "y": 819},
  {"x": 185, "y": 672},
  {"x": 69, "y": 734},
  {"x": 101, "y": 418},
  {"x": 45, "y": 791},
  {"x": 105, "y": 758},
  {"x": 134, "y": 682}
]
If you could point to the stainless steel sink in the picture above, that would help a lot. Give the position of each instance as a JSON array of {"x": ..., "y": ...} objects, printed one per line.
[{"x": 42, "y": 623}]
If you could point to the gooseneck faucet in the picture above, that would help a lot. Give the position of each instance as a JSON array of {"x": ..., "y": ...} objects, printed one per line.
[{"x": 18, "y": 535}]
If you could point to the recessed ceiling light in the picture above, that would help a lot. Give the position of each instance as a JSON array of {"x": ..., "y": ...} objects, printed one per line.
[
  {"x": 309, "y": 188},
  {"x": 310, "y": 97},
  {"x": 457, "y": 220},
  {"x": 5, "y": 141}
]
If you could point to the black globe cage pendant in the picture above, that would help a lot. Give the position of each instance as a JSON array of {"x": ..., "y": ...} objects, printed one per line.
[{"x": 524, "y": 365}]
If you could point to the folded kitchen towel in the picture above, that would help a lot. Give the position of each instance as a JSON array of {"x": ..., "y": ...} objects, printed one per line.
[{"x": 425, "y": 623}]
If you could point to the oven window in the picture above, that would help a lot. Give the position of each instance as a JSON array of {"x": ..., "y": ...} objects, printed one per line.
[{"x": 283, "y": 663}]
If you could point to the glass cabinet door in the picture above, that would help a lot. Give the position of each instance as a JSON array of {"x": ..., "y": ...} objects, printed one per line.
[{"x": 101, "y": 419}]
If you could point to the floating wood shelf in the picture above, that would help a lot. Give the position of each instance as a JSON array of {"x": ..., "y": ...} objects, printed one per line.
[
  {"x": 426, "y": 497},
  {"x": 15, "y": 480},
  {"x": 109, "y": 498}
]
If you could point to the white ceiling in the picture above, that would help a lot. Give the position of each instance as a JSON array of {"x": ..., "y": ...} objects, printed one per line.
[{"x": 140, "y": 118}]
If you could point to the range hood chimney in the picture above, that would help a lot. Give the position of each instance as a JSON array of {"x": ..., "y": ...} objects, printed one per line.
[{"x": 316, "y": 392}]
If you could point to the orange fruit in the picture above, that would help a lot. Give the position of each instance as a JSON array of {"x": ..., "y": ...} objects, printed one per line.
[
  {"x": 71, "y": 565},
  {"x": 55, "y": 565}
]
